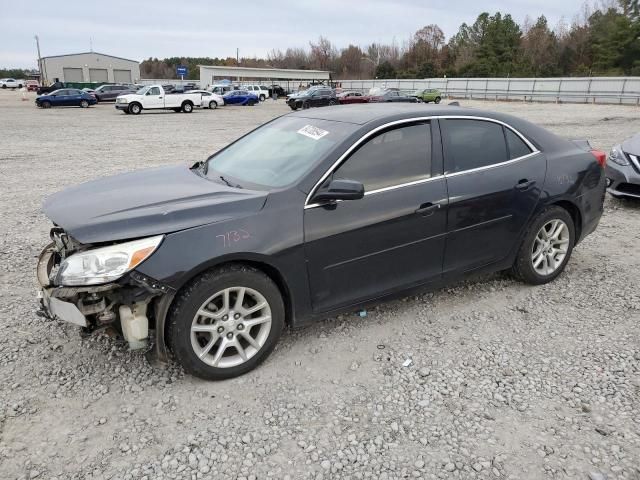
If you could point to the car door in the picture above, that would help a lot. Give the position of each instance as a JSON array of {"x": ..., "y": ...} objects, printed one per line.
[
  {"x": 393, "y": 237},
  {"x": 61, "y": 98},
  {"x": 75, "y": 96},
  {"x": 494, "y": 178},
  {"x": 153, "y": 98}
]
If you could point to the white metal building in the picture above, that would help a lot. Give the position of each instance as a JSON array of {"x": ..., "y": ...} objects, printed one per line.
[
  {"x": 89, "y": 67},
  {"x": 210, "y": 75}
]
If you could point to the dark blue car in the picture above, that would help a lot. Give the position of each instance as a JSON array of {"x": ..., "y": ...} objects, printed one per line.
[
  {"x": 240, "y": 97},
  {"x": 66, "y": 97}
]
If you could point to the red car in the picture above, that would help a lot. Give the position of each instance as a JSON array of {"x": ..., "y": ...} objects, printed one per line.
[
  {"x": 32, "y": 85},
  {"x": 352, "y": 97}
]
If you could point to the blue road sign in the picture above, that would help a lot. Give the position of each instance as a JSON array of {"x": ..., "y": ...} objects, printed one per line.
[{"x": 181, "y": 71}]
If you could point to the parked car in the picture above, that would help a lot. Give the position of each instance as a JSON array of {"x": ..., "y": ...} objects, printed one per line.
[
  {"x": 209, "y": 100},
  {"x": 155, "y": 97},
  {"x": 168, "y": 88},
  {"x": 260, "y": 91},
  {"x": 189, "y": 86},
  {"x": 32, "y": 85},
  {"x": 278, "y": 90},
  {"x": 43, "y": 90},
  {"x": 352, "y": 97},
  {"x": 428, "y": 95},
  {"x": 313, "y": 214},
  {"x": 623, "y": 169},
  {"x": 392, "y": 95},
  {"x": 314, "y": 97},
  {"x": 109, "y": 93},
  {"x": 240, "y": 97},
  {"x": 11, "y": 83},
  {"x": 222, "y": 89},
  {"x": 66, "y": 97}
]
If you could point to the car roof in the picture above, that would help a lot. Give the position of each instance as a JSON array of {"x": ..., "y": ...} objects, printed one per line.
[{"x": 369, "y": 112}]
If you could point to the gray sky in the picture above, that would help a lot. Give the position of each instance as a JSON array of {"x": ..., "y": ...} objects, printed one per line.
[{"x": 214, "y": 28}]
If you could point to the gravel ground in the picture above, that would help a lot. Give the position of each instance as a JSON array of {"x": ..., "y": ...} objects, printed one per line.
[{"x": 485, "y": 379}]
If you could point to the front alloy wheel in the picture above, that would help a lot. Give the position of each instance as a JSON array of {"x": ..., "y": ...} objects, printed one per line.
[
  {"x": 230, "y": 331},
  {"x": 230, "y": 327}
]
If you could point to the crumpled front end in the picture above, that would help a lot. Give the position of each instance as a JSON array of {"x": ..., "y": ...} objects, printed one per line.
[{"x": 129, "y": 304}]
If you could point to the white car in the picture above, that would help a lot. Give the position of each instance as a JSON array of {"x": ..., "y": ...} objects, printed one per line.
[
  {"x": 11, "y": 83},
  {"x": 209, "y": 100},
  {"x": 260, "y": 91},
  {"x": 154, "y": 97}
]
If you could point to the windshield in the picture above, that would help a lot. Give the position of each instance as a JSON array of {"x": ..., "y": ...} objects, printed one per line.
[
  {"x": 142, "y": 91},
  {"x": 278, "y": 153}
]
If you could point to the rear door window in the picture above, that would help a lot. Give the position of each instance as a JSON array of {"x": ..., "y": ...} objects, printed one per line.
[
  {"x": 393, "y": 157},
  {"x": 472, "y": 144}
]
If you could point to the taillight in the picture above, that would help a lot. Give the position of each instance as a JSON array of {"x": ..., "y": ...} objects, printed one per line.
[{"x": 601, "y": 157}]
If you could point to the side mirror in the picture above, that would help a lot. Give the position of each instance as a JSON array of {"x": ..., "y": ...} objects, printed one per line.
[{"x": 340, "y": 189}]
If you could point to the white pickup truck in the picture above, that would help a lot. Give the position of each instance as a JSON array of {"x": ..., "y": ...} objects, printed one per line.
[{"x": 154, "y": 97}]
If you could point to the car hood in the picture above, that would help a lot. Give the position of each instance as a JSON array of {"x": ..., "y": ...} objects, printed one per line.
[
  {"x": 147, "y": 202},
  {"x": 632, "y": 145}
]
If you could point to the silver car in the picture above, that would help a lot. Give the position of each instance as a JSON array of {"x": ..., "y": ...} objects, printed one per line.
[{"x": 623, "y": 169}]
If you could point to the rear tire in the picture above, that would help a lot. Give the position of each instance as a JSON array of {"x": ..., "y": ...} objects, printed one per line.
[
  {"x": 225, "y": 324},
  {"x": 262, "y": 98},
  {"x": 437, "y": 100},
  {"x": 84, "y": 104},
  {"x": 187, "y": 107},
  {"x": 332, "y": 103},
  {"x": 541, "y": 256},
  {"x": 213, "y": 105}
]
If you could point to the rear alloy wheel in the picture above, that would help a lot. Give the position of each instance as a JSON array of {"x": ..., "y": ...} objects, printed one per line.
[
  {"x": 84, "y": 104},
  {"x": 546, "y": 247},
  {"x": 213, "y": 105},
  {"x": 187, "y": 107},
  {"x": 437, "y": 100},
  {"x": 230, "y": 331},
  {"x": 332, "y": 103},
  {"x": 262, "y": 98}
]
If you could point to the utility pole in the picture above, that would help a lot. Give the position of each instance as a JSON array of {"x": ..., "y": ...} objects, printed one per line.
[{"x": 39, "y": 60}]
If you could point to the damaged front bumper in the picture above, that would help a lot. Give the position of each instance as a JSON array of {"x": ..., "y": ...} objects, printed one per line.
[{"x": 133, "y": 305}]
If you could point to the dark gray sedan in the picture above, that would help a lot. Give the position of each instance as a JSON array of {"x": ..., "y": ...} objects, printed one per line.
[{"x": 623, "y": 169}]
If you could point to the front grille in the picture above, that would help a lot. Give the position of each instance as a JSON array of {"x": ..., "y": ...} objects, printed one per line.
[
  {"x": 629, "y": 188},
  {"x": 635, "y": 161}
]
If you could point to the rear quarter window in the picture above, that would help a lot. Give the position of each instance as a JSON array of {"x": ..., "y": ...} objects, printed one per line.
[{"x": 517, "y": 147}]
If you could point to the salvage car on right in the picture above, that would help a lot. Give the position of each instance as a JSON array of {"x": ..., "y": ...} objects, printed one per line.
[{"x": 623, "y": 169}]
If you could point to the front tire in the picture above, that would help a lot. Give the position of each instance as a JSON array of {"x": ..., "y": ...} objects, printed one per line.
[
  {"x": 135, "y": 109},
  {"x": 546, "y": 247},
  {"x": 225, "y": 322},
  {"x": 46, "y": 104}
]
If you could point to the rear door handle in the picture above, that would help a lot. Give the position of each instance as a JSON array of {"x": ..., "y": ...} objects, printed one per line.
[
  {"x": 427, "y": 209},
  {"x": 525, "y": 184}
]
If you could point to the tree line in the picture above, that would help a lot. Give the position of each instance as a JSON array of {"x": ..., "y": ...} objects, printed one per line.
[{"x": 603, "y": 40}]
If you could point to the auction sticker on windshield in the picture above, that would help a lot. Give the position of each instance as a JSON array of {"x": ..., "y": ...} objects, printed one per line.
[{"x": 312, "y": 132}]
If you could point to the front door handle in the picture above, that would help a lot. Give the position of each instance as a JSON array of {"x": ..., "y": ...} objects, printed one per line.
[
  {"x": 159, "y": 98},
  {"x": 427, "y": 209},
  {"x": 525, "y": 184}
]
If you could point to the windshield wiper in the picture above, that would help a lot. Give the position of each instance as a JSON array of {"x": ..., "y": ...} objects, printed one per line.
[{"x": 228, "y": 182}]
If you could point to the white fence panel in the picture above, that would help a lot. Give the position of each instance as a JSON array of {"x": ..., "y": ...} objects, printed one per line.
[{"x": 623, "y": 90}]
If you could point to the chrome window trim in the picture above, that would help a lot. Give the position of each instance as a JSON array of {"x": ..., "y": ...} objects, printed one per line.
[{"x": 357, "y": 143}]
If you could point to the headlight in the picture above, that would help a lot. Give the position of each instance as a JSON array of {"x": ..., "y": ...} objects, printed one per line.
[
  {"x": 122, "y": 100},
  {"x": 106, "y": 264},
  {"x": 616, "y": 155}
]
